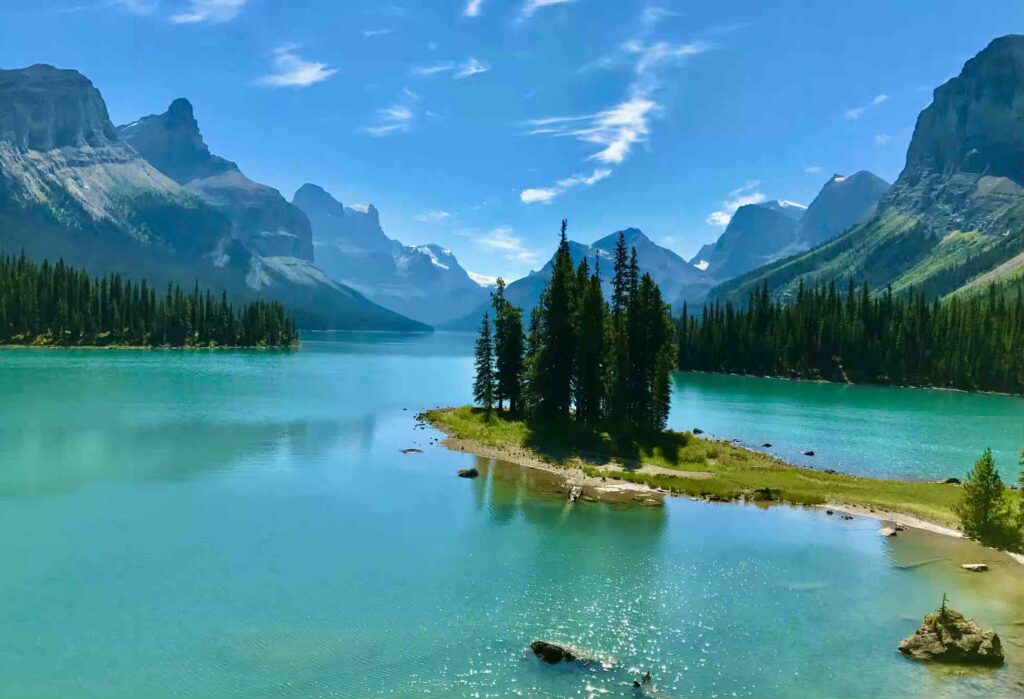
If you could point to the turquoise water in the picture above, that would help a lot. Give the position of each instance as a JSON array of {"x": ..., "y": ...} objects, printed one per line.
[{"x": 244, "y": 525}]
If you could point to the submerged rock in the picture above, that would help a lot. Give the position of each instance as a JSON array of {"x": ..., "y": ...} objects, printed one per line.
[
  {"x": 554, "y": 653},
  {"x": 412, "y": 450},
  {"x": 697, "y": 430},
  {"x": 974, "y": 567},
  {"x": 947, "y": 636},
  {"x": 468, "y": 473},
  {"x": 808, "y": 453},
  {"x": 887, "y": 531}
]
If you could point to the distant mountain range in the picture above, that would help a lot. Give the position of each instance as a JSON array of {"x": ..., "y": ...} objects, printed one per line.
[
  {"x": 672, "y": 273},
  {"x": 954, "y": 219},
  {"x": 424, "y": 282},
  {"x": 72, "y": 188},
  {"x": 759, "y": 234}
]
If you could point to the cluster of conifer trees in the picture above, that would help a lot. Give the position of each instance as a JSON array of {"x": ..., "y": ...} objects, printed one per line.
[
  {"x": 59, "y": 305},
  {"x": 967, "y": 342},
  {"x": 581, "y": 358}
]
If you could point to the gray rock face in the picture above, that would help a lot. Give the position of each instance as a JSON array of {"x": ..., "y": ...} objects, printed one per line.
[
  {"x": 42, "y": 108},
  {"x": 842, "y": 203},
  {"x": 947, "y": 636},
  {"x": 71, "y": 189},
  {"x": 263, "y": 220},
  {"x": 955, "y": 216},
  {"x": 757, "y": 234},
  {"x": 424, "y": 282}
]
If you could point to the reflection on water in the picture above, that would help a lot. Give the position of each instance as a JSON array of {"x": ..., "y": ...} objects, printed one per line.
[{"x": 245, "y": 525}]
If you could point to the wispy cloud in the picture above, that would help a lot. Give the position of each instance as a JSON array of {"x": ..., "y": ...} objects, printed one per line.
[
  {"x": 858, "y": 112},
  {"x": 433, "y": 68},
  {"x": 394, "y": 119},
  {"x": 464, "y": 69},
  {"x": 545, "y": 195},
  {"x": 530, "y": 7},
  {"x": 504, "y": 241},
  {"x": 291, "y": 70},
  {"x": 471, "y": 67},
  {"x": 619, "y": 128},
  {"x": 215, "y": 11},
  {"x": 138, "y": 7},
  {"x": 473, "y": 8},
  {"x": 433, "y": 216},
  {"x": 882, "y": 139},
  {"x": 812, "y": 169},
  {"x": 653, "y": 14},
  {"x": 378, "y": 32},
  {"x": 741, "y": 196}
]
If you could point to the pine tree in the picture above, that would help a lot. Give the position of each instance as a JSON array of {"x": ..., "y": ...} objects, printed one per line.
[
  {"x": 981, "y": 503},
  {"x": 483, "y": 383},
  {"x": 557, "y": 337},
  {"x": 591, "y": 351},
  {"x": 508, "y": 349}
]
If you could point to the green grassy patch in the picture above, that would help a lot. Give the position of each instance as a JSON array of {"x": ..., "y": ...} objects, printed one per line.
[{"x": 732, "y": 471}]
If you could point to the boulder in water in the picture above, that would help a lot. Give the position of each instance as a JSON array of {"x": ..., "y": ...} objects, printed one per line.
[
  {"x": 468, "y": 473},
  {"x": 887, "y": 531},
  {"x": 974, "y": 567},
  {"x": 553, "y": 652},
  {"x": 697, "y": 430},
  {"x": 947, "y": 636}
]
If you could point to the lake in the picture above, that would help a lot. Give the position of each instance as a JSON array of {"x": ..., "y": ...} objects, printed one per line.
[{"x": 243, "y": 524}]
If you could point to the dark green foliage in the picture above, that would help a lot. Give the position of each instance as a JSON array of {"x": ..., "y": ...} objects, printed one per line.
[
  {"x": 483, "y": 383},
  {"x": 509, "y": 346},
  {"x": 62, "y": 306},
  {"x": 557, "y": 351},
  {"x": 584, "y": 360},
  {"x": 971, "y": 342},
  {"x": 985, "y": 508}
]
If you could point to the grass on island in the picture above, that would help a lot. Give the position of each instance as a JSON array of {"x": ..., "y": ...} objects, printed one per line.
[{"x": 733, "y": 471}]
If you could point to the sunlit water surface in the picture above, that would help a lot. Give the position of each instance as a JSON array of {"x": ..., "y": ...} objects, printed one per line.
[{"x": 243, "y": 524}]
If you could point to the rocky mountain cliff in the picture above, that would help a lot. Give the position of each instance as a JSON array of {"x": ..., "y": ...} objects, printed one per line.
[
  {"x": 424, "y": 282},
  {"x": 956, "y": 212},
  {"x": 263, "y": 220},
  {"x": 71, "y": 189},
  {"x": 843, "y": 202},
  {"x": 756, "y": 235}
]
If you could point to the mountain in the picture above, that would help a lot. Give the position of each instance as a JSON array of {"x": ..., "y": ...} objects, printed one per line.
[
  {"x": 756, "y": 235},
  {"x": 263, "y": 220},
  {"x": 956, "y": 212},
  {"x": 843, "y": 202},
  {"x": 671, "y": 273},
  {"x": 424, "y": 282},
  {"x": 703, "y": 257},
  {"x": 71, "y": 188}
]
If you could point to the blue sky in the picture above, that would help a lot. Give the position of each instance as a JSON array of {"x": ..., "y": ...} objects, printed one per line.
[{"x": 479, "y": 124}]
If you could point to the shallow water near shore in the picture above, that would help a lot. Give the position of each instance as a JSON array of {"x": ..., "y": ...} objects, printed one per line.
[{"x": 243, "y": 524}]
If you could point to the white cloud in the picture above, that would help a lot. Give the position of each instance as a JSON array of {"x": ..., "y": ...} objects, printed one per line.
[
  {"x": 473, "y": 8},
  {"x": 741, "y": 196},
  {"x": 471, "y": 67},
  {"x": 530, "y": 7},
  {"x": 377, "y": 32},
  {"x": 882, "y": 139},
  {"x": 622, "y": 126},
  {"x": 503, "y": 241},
  {"x": 209, "y": 11},
  {"x": 654, "y": 14},
  {"x": 138, "y": 7},
  {"x": 545, "y": 195},
  {"x": 394, "y": 119},
  {"x": 433, "y": 216},
  {"x": 434, "y": 68},
  {"x": 858, "y": 112},
  {"x": 291, "y": 70},
  {"x": 812, "y": 169}
]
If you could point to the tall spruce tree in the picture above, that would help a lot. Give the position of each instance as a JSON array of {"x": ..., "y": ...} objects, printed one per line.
[
  {"x": 557, "y": 337},
  {"x": 981, "y": 503},
  {"x": 591, "y": 351},
  {"x": 508, "y": 349},
  {"x": 483, "y": 383},
  {"x": 620, "y": 380}
]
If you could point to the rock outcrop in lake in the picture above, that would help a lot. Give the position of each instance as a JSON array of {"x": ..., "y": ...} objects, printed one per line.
[
  {"x": 554, "y": 653},
  {"x": 947, "y": 636}
]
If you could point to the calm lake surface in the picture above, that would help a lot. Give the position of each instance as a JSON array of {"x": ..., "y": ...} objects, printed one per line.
[{"x": 242, "y": 524}]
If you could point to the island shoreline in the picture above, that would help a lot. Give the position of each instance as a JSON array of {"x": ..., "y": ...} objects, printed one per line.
[{"x": 621, "y": 491}]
